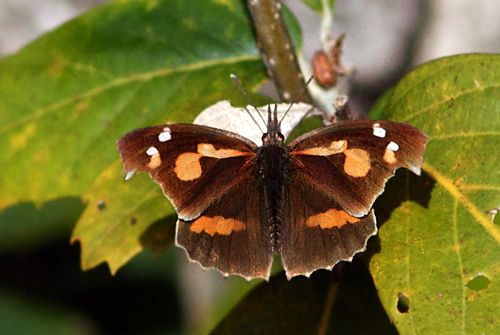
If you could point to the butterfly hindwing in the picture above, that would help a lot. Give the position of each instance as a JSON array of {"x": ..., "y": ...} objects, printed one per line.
[
  {"x": 195, "y": 165},
  {"x": 350, "y": 162},
  {"x": 318, "y": 233},
  {"x": 231, "y": 235}
]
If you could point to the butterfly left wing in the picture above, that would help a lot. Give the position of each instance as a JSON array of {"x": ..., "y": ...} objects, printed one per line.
[
  {"x": 336, "y": 173},
  {"x": 318, "y": 233},
  {"x": 350, "y": 162}
]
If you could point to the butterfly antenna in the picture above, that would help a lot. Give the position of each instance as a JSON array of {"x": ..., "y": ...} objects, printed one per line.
[
  {"x": 242, "y": 90},
  {"x": 293, "y": 103}
]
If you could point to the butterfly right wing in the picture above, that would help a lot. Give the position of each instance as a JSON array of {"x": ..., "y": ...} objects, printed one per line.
[
  {"x": 231, "y": 235},
  {"x": 194, "y": 165},
  {"x": 208, "y": 175}
]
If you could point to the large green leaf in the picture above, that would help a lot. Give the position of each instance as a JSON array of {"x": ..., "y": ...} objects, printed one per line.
[
  {"x": 436, "y": 259},
  {"x": 325, "y": 303},
  {"x": 431, "y": 248},
  {"x": 69, "y": 96}
]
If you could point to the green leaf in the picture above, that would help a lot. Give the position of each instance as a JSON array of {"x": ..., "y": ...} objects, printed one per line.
[
  {"x": 319, "y": 5},
  {"x": 69, "y": 96},
  {"x": 433, "y": 246},
  {"x": 325, "y": 303}
]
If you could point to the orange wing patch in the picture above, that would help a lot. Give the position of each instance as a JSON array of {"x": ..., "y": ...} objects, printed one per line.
[
  {"x": 155, "y": 159},
  {"x": 331, "y": 218},
  {"x": 216, "y": 225},
  {"x": 390, "y": 156},
  {"x": 188, "y": 166},
  {"x": 357, "y": 163},
  {"x": 335, "y": 147},
  {"x": 208, "y": 150}
]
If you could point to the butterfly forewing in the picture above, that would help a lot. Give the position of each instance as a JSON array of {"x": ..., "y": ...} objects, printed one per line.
[
  {"x": 350, "y": 162},
  {"x": 194, "y": 165}
]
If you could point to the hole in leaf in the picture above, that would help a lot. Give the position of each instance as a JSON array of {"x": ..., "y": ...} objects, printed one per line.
[
  {"x": 494, "y": 213},
  {"x": 133, "y": 220},
  {"x": 403, "y": 303},
  {"x": 479, "y": 282},
  {"x": 101, "y": 205}
]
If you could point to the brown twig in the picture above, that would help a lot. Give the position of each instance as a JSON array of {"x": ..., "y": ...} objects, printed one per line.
[{"x": 278, "y": 51}]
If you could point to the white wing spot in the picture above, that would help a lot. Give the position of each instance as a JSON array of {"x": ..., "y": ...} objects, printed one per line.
[
  {"x": 378, "y": 131},
  {"x": 165, "y": 136},
  {"x": 129, "y": 175},
  {"x": 393, "y": 146},
  {"x": 152, "y": 151}
]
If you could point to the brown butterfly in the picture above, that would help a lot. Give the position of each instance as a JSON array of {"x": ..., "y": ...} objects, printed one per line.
[{"x": 239, "y": 203}]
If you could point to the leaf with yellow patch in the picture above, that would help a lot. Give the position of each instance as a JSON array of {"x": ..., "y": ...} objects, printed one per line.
[
  {"x": 69, "y": 96},
  {"x": 431, "y": 248}
]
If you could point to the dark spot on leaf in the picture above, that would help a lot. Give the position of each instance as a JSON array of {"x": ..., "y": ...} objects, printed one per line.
[
  {"x": 101, "y": 205},
  {"x": 403, "y": 303},
  {"x": 133, "y": 220},
  {"x": 479, "y": 282}
]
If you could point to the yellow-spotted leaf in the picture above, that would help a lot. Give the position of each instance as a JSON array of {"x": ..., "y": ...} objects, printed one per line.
[
  {"x": 68, "y": 97},
  {"x": 438, "y": 270}
]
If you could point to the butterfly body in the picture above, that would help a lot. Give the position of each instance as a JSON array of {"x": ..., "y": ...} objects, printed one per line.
[{"x": 239, "y": 204}]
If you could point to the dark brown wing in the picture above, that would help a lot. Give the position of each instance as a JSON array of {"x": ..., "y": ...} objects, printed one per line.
[
  {"x": 209, "y": 176},
  {"x": 195, "y": 165},
  {"x": 318, "y": 233},
  {"x": 231, "y": 235},
  {"x": 350, "y": 162}
]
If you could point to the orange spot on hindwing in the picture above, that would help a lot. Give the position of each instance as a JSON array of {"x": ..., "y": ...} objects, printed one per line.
[
  {"x": 216, "y": 225},
  {"x": 331, "y": 218},
  {"x": 357, "y": 163}
]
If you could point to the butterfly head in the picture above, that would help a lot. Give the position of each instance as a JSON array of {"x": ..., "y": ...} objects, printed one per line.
[{"x": 273, "y": 134}]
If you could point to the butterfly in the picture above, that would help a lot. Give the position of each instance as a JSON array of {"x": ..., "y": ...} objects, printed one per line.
[{"x": 239, "y": 203}]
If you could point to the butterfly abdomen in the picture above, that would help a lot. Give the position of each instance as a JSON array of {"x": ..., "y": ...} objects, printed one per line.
[{"x": 272, "y": 162}]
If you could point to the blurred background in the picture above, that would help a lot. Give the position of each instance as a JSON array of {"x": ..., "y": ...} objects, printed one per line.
[{"x": 43, "y": 290}]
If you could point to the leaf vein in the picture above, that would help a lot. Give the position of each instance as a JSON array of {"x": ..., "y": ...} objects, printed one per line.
[
  {"x": 449, "y": 185},
  {"x": 40, "y": 112}
]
